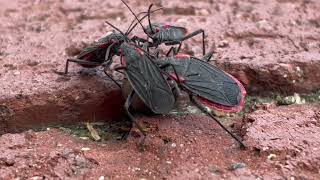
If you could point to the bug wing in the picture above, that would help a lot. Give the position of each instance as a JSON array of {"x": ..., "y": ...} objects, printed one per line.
[
  {"x": 148, "y": 82},
  {"x": 208, "y": 81}
]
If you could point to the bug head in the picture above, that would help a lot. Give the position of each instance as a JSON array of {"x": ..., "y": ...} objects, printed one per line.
[
  {"x": 117, "y": 35},
  {"x": 154, "y": 28}
]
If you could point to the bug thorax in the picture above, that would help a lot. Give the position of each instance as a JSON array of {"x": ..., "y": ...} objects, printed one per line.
[
  {"x": 113, "y": 37},
  {"x": 129, "y": 50},
  {"x": 155, "y": 28}
]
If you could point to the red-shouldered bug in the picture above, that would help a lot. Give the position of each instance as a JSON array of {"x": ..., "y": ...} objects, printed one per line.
[
  {"x": 145, "y": 78},
  {"x": 206, "y": 84},
  {"x": 167, "y": 34},
  {"x": 102, "y": 51}
]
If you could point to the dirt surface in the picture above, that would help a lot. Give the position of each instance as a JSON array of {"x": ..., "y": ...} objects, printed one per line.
[
  {"x": 292, "y": 132},
  {"x": 177, "y": 147},
  {"x": 270, "y": 46}
]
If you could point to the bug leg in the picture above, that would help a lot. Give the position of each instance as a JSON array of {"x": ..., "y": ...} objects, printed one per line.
[
  {"x": 194, "y": 34},
  {"x": 138, "y": 40},
  {"x": 79, "y": 61},
  {"x": 126, "y": 134},
  {"x": 173, "y": 50},
  {"x": 131, "y": 118},
  {"x": 204, "y": 109},
  {"x": 177, "y": 50},
  {"x": 105, "y": 71},
  {"x": 176, "y": 89},
  {"x": 106, "y": 57},
  {"x": 208, "y": 56},
  {"x": 174, "y": 70}
]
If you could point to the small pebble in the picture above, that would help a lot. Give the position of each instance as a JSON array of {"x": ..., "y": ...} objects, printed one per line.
[
  {"x": 223, "y": 43},
  {"x": 84, "y": 138},
  {"x": 17, "y": 73},
  {"x": 272, "y": 156},
  {"x": 85, "y": 149},
  {"x": 101, "y": 178},
  {"x": 237, "y": 166}
]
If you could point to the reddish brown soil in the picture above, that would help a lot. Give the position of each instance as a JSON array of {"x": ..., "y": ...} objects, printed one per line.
[
  {"x": 177, "y": 147},
  {"x": 293, "y": 132}
]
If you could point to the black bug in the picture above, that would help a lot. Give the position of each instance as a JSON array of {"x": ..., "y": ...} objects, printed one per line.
[
  {"x": 167, "y": 34},
  {"x": 205, "y": 84},
  {"x": 102, "y": 51},
  {"x": 146, "y": 80}
]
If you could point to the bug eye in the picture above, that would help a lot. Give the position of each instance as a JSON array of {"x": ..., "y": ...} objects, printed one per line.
[{"x": 157, "y": 29}]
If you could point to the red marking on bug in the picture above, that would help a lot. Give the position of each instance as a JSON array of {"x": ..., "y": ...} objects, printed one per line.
[
  {"x": 167, "y": 26},
  {"x": 123, "y": 62},
  {"x": 182, "y": 56},
  {"x": 223, "y": 108},
  {"x": 87, "y": 57},
  {"x": 175, "y": 78},
  {"x": 139, "y": 51}
]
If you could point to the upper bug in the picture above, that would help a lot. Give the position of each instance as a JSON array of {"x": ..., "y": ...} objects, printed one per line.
[{"x": 167, "y": 34}]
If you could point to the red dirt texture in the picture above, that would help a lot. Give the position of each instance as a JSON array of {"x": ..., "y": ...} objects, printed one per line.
[
  {"x": 183, "y": 147},
  {"x": 270, "y": 46},
  {"x": 293, "y": 132}
]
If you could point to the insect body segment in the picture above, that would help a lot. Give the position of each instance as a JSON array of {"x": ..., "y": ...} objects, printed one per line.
[
  {"x": 206, "y": 81},
  {"x": 167, "y": 34},
  {"x": 147, "y": 80}
]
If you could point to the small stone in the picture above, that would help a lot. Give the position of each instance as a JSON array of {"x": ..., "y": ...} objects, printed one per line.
[
  {"x": 173, "y": 145},
  {"x": 237, "y": 166},
  {"x": 265, "y": 148},
  {"x": 223, "y": 43},
  {"x": 36, "y": 178},
  {"x": 169, "y": 162},
  {"x": 84, "y": 138},
  {"x": 85, "y": 149},
  {"x": 101, "y": 178},
  {"x": 17, "y": 73},
  {"x": 272, "y": 156}
]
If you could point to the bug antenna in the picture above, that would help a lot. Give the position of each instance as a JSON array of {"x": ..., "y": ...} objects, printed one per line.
[
  {"x": 127, "y": 32},
  {"x": 149, "y": 18},
  {"x": 114, "y": 27},
  {"x": 143, "y": 17},
  {"x": 135, "y": 16}
]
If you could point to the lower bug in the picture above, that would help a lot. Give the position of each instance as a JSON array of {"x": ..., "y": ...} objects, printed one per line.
[{"x": 206, "y": 84}]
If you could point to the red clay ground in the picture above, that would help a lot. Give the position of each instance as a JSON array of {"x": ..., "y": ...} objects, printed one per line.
[
  {"x": 271, "y": 46},
  {"x": 178, "y": 147}
]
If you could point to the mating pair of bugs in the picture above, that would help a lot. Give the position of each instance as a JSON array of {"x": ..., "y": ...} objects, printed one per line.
[{"x": 154, "y": 78}]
